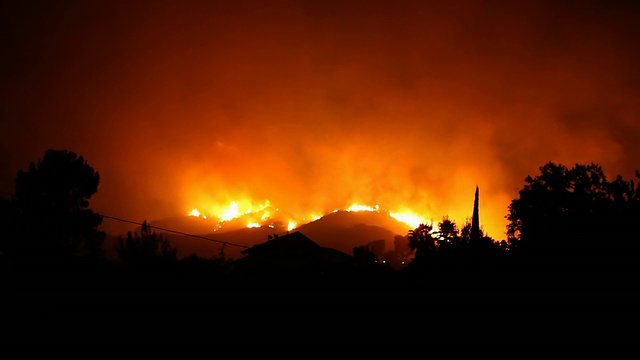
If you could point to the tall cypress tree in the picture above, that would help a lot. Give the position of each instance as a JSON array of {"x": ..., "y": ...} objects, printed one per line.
[{"x": 475, "y": 221}]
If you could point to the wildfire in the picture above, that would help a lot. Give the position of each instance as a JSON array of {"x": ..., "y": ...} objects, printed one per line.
[
  {"x": 260, "y": 215},
  {"x": 230, "y": 213},
  {"x": 408, "y": 218},
  {"x": 358, "y": 207}
]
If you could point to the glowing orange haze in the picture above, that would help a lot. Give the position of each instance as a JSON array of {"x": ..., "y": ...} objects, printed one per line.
[
  {"x": 319, "y": 105},
  {"x": 411, "y": 206}
]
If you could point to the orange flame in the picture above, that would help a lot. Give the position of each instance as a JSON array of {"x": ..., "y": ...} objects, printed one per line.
[
  {"x": 262, "y": 214},
  {"x": 291, "y": 225},
  {"x": 408, "y": 218},
  {"x": 358, "y": 207}
]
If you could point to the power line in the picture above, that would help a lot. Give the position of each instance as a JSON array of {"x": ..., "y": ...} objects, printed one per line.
[{"x": 174, "y": 231}]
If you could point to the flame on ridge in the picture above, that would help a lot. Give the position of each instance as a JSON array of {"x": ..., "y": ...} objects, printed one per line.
[
  {"x": 408, "y": 218},
  {"x": 358, "y": 207},
  {"x": 260, "y": 215}
]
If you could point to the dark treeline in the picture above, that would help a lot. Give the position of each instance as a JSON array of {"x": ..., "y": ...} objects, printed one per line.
[
  {"x": 562, "y": 280},
  {"x": 567, "y": 224}
]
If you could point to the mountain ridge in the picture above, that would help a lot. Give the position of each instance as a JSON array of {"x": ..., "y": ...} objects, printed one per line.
[{"x": 341, "y": 230}]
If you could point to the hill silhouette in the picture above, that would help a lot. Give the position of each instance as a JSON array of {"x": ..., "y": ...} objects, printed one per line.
[
  {"x": 341, "y": 230},
  {"x": 344, "y": 230}
]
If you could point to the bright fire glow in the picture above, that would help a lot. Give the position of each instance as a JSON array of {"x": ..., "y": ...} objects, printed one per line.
[
  {"x": 237, "y": 209},
  {"x": 230, "y": 213},
  {"x": 358, "y": 207},
  {"x": 260, "y": 215},
  {"x": 408, "y": 218}
]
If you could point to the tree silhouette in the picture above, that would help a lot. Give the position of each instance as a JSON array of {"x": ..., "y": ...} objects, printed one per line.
[
  {"x": 421, "y": 240},
  {"x": 423, "y": 243},
  {"x": 448, "y": 235},
  {"x": 475, "y": 219},
  {"x": 574, "y": 218},
  {"x": 466, "y": 231},
  {"x": 50, "y": 215},
  {"x": 146, "y": 252}
]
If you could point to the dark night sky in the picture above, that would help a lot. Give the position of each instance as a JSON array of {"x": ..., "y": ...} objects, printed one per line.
[{"x": 317, "y": 105}]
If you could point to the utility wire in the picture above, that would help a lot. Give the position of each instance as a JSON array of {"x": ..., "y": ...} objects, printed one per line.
[{"x": 174, "y": 231}]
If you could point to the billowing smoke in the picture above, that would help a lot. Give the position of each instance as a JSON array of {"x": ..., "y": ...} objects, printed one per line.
[{"x": 317, "y": 105}]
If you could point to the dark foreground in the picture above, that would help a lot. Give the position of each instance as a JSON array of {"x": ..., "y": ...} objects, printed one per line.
[{"x": 50, "y": 317}]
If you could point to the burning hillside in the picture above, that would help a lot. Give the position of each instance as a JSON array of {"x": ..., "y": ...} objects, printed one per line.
[{"x": 238, "y": 214}]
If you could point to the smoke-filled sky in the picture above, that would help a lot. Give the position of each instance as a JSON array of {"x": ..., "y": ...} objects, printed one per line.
[{"x": 317, "y": 105}]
